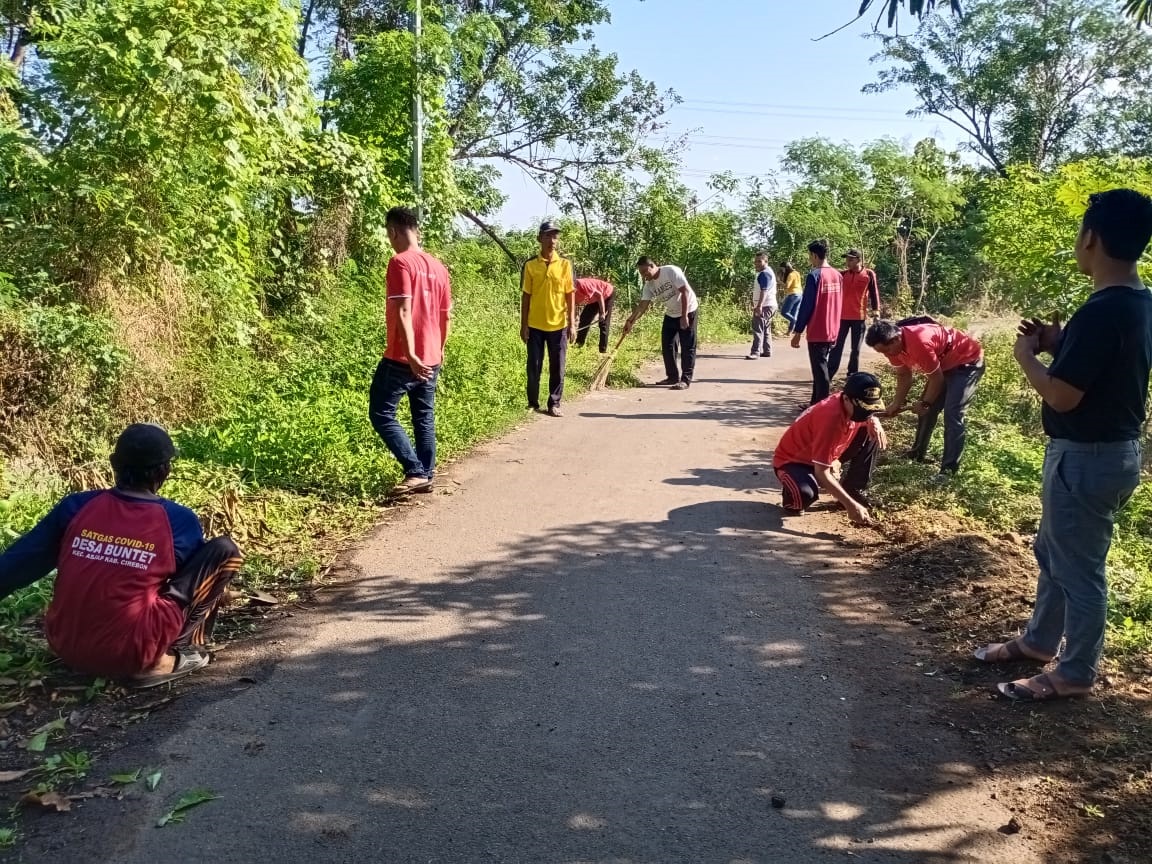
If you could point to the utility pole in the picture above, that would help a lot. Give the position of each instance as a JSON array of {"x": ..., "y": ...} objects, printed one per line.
[{"x": 417, "y": 116}]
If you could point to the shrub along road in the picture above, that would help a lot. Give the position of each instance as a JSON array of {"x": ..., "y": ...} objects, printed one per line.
[{"x": 599, "y": 642}]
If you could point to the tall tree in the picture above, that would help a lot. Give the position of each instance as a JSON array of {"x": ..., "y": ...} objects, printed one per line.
[
  {"x": 1139, "y": 10},
  {"x": 1027, "y": 80}
]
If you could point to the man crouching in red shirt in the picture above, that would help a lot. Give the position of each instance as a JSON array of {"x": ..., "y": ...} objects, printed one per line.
[
  {"x": 137, "y": 587},
  {"x": 842, "y": 427}
]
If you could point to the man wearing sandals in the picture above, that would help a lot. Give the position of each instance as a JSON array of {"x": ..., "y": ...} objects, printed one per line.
[
  {"x": 842, "y": 428},
  {"x": 1094, "y": 394},
  {"x": 137, "y": 587}
]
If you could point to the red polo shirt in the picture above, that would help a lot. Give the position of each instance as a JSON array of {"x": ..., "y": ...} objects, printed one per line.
[
  {"x": 818, "y": 437},
  {"x": 928, "y": 347}
]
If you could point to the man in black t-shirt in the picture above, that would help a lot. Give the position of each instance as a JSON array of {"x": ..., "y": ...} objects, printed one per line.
[{"x": 1094, "y": 395}]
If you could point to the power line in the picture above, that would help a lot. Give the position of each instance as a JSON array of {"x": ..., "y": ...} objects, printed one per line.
[
  {"x": 784, "y": 116},
  {"x": 783, "y": 107}
]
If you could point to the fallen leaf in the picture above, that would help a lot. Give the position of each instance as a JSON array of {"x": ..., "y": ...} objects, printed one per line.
[
  {"x": 8, "y": 706},
  {"x": 187, "y": 801},
  {"x": 126, "y": 779},
  {"x": 37, "y": 743},
  {"x": 153, "y": 780},
  {"x": 56, "y": 725},
  {"x": 13, "y": 776},
  {"x": 51, "y": 799},
  {"x": 262, "y": 598}
]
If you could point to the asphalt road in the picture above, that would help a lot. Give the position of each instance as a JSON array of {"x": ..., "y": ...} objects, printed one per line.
[{"x": 599, "y": 643}]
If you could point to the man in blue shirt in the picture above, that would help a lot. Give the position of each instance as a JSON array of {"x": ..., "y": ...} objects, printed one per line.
[{"x": 1094, "y": 395}]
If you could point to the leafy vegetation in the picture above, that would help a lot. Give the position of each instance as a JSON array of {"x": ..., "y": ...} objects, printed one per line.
[{"x": 999, "y": 483}]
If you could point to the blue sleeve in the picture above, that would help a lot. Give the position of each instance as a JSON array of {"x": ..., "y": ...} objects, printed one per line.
[
  {"x": 762, "y": 280},
  {"x": 187, "y": 535},
  {"x": 807, "y": 302},
  {"x": 34, "y": 555}
]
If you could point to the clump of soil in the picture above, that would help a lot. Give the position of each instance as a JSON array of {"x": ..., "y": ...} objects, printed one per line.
[{"x": 963, "y": 589}]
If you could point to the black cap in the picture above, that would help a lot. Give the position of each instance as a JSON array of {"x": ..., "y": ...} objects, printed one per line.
[
  {"x": 853, "y": 253},
  {"x": 143, "y": 445},
  {"x": 863, "y": 389},
  {"x": 549, "y": 228}
]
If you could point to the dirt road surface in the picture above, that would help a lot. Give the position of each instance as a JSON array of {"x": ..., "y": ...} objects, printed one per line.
[{"x": 600, "y": 643}]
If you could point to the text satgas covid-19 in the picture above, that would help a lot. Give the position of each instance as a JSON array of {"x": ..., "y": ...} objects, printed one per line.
[{"x": 114, "y": 552}]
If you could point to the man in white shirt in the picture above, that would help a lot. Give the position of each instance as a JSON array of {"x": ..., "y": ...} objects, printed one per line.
[
  {"x": 763, "y": 308},
  {"x": 668, "y": 285}
]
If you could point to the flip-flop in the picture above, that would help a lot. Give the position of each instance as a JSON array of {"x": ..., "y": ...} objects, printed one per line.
[
  {"x": 186, "y": 663},
  {"x": 1038, "y": 689},
  {"x": 1015, "y": 654}
]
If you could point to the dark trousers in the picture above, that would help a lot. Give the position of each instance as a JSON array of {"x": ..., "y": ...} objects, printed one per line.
[
  {"x": 670, "y": 335},
  {"x": 556, "y": 343},
  {"x": 855, "y": 330},
  {"x": 959, "y": 389},
  {"x": 857, "y": 464},
  {"x": 821, "y": 378},
  {"x": 589, "y": 314},
  {"x": 198, "y": 587},
  {"x": 391, "y": 383}
]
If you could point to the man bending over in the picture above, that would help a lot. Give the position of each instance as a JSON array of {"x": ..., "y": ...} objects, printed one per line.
[{"x": 137, "y": 588}]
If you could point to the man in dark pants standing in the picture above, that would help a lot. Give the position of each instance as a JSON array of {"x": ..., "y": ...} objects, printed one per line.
[
  {"x": 598, "y": 299},
  {"x": 669, "y": 286},
  {"x": 861, "y": 292},
  {"x": 419, "y": 300},
  {"x": 1094, "y": 395},
  {"x": 953, "y": 362},
  {"x": 819, "y": 314},
  {"x": 547, "y": 317},
  {"x": 842, "y": 428}
]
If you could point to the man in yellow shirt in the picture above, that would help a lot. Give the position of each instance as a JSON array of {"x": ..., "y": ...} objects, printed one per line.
[{"x": 547, "y": 317}]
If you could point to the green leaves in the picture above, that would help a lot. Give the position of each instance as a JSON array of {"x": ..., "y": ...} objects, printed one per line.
[{"x": 187, "y": 801}]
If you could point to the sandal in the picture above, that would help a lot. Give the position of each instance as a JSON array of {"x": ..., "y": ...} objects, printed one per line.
[
  {"x": 1038, "y": 689},
  {"x": 1006, "y": 652},
  {"x": 186, "y": 663}
]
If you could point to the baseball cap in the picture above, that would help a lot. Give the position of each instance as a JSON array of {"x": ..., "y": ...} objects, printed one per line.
[
  {"x": 143, "y": 445},
  {"x": 863, "y": 389},
  {"x": 549, "y": 228},
  {"x": 853, "y": 253}
]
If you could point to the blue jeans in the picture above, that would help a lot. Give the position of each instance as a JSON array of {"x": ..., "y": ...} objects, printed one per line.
[
  {"x": 1085, "y": 485},
  {"x": 391, "y": 383},
  {"x": 789, "y": 308},
  {"x": 959, "y": 391}
]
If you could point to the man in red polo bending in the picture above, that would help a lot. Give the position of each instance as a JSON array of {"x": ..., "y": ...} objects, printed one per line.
[
  {"x": 841, "y": 428},
  {"x": 597, "y": 297},
  {"x": 953, "y": 362},
  {"x": 137, "y": 587}
]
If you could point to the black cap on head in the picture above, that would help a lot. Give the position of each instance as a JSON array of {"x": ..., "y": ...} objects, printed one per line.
[
  {"x": 853, "y": 253},
  {"x": 549, "y": 228},
  {"x": 863, "y": 389},
  {"x": 142, "y": 446}
]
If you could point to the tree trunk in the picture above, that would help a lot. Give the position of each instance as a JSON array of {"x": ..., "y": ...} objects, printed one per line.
[
  {"x": 903, "y": 286},
  {"x": 487, "y": 229},
  {"x": 924, "y": 267},
  {"x": 305, "y": 26}
]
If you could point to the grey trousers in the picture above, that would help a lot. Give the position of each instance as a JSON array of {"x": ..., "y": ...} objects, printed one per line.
[
  {"x": 959, "y": 389},
  {"x": 762, "y": 334}
]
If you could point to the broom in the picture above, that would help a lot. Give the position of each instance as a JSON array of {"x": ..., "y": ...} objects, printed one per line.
[{"x": 601, "y": 376}]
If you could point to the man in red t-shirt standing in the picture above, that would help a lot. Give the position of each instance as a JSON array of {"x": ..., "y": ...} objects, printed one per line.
[
  {"x": 953, "y": 362},
  {"x": 419, "y": 300},
  {"x": 861, "y": 292},
  {"x": 841, "y": 428},
  {"x": 597, "y": 297},
  {"x": 819, "y": 314}
]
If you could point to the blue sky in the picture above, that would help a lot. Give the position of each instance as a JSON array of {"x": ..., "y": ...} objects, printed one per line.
[{"x": 751, "y": 79}]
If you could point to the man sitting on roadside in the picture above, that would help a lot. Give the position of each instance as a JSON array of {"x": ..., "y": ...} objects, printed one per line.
[
  {"x": 841, "y": 428},
  {"x": 137, "y": 588},
  {"x": 953, "y": 363}
]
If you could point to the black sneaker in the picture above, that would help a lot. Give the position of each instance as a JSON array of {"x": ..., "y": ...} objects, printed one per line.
[{"x": 667, "y": 382}]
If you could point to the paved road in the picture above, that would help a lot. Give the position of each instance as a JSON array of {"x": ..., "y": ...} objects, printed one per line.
[{"x": 604, "y": 645}]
